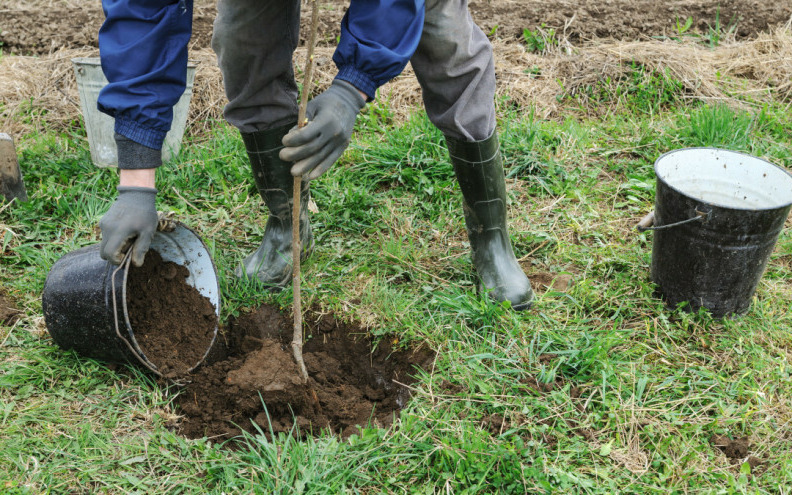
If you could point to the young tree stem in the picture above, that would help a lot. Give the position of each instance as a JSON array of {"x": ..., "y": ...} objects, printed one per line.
[{"x": 297, "y": 338}]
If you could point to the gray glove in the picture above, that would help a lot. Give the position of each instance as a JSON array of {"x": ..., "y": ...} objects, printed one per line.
[
  {"x": 317, "y": 146},
  {"x": 130, "y": 222}
]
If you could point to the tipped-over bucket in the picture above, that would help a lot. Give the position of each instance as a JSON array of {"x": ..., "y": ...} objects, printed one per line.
[
  {"x": 81, "y": 314},
  {"x": 100, "y": 127},
  {"x": 718, "y": 214}
]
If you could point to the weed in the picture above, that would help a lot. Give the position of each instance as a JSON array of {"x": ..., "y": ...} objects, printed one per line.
[
  {"x": 712, "y": 37},
  {"x": 639, "y": 89},
  {"x": 540, "y": 40},
  {"x": 682, "y": 28},
  {"x": 716, "y": 32},
  {"x": 518, "y": 139},
  {"x": 717, "y": 126},
  {"x": 533, "y": 71}
]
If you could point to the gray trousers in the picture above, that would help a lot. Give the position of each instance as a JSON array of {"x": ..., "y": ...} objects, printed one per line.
[{"x": 255, "y": 39}]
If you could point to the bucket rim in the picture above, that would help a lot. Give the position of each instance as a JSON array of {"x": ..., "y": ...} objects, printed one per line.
[
  {"x": 713, "y": 203},
  {"x": 139, "y": 354},
  {"x": 97, "y": 61}
]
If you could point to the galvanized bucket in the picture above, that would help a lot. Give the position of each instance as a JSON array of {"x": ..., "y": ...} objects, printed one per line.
[
  {"x": 99, "y": 126},
  {"x": 718, "y": 215}
]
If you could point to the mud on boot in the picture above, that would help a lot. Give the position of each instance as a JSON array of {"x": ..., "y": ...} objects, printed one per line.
[
  {"x": 479, "y": 170},
  {"x": 271, "y": 263}
]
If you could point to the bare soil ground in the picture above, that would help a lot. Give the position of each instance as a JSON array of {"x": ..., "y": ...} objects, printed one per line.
[
  {"x": 627, "y": 19},
  {"x": 40, "y": 27}
]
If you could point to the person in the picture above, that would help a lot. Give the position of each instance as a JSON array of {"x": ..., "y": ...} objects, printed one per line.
[{"x": 143, "y": 50}]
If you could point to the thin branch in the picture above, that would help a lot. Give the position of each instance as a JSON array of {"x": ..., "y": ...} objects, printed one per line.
[{"x": 297, "y": 339}]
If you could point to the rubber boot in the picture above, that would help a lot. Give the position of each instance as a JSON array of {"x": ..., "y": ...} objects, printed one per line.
[
  {"x": 271, "y": 263},
  {"x": 479, "y": 170}
]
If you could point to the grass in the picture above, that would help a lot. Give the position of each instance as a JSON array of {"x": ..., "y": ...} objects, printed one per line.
[
  {"x": 598, "y": 389},
  {"x": 540, "y": 40}
]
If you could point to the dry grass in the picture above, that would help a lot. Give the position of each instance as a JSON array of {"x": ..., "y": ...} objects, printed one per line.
[
  {"x": 756, "y": 70},
  {"x": 42, "y": 4},
  {"x": 40, "y": 93}
]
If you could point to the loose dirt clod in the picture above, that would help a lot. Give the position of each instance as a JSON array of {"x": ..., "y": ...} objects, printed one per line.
[
  {"x": 735, "y": 450},
  {"x": 253, "y": 381},
  {"x": 173, "y": 323},
  {"x": 8, "y": 312}
]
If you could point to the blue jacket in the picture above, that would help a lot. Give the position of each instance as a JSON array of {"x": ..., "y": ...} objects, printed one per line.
[{"x": 143, "y": 48}]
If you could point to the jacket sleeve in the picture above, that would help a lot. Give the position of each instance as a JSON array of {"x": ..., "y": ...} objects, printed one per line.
[
  {"x": 143, "y": 49},
  {"x": 377, "y": 40}
]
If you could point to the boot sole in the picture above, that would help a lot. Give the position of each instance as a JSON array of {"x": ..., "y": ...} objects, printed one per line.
[
  {"x": 516, "y": 307},
  {"x": 523, "y": 306}
]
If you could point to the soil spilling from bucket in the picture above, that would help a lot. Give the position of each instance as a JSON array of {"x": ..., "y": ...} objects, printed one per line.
[
  {"x": 173, "y": 323},
  {"x": 251, "y": 380}
]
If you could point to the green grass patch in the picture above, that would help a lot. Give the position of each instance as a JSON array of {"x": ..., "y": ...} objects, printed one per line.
[
  {"x": 598, "y": 389},
  {"x": 638, "y": 90}
]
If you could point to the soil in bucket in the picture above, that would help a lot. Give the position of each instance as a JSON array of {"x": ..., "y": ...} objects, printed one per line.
[
  {"x": 173, "y": 323},
  {"x": 251, "y": 381}
]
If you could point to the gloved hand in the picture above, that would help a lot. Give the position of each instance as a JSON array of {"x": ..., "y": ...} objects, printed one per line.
[
  {"x": 317, "y": 146},
  {"x": 129, "y": 223}
]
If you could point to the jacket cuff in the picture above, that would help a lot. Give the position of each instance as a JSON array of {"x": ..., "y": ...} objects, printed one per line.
[
  {"x": 137, "y": 189},
  {"x": 358, "y": 79},
  {"x": 152, "y": 138},
  {"x": 134, "y": 156}
]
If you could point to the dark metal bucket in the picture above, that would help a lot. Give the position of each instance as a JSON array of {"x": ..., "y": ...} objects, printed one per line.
[
  {"x": 85, "y": 305},
  {"x": 718, "y": 214}
]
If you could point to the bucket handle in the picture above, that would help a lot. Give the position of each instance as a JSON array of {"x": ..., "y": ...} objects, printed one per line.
[
  {"x": 646, "y": 222},
  {"x": 125, "y": 265}
]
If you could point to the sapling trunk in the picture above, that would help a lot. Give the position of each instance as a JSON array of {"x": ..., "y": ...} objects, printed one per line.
[{"x": 297, "y": 338}]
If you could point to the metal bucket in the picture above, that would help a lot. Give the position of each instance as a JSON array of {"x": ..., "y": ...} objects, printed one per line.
[
  {"x": 718, "y": 214},
  {"x": 85, "y": 297},
  {"x": 100, "y": 127}
]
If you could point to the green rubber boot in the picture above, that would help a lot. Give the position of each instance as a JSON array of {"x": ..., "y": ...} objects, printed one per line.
[
  {"x": 271, "y": 263},
  {"x": 479, "y": 170}
]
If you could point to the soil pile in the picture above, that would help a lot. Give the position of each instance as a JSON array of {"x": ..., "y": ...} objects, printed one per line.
[
  {"x": 737, "y": 450},
  {"x": 174, "y": 324},
  {"x": 252, "y": 379},
  {"x": 734, "y": 449}
]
